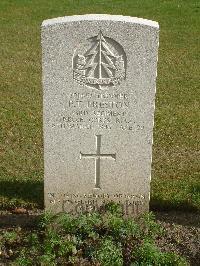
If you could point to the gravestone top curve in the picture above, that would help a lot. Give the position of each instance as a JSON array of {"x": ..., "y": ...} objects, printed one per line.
[{"x": 101, "y": 17}]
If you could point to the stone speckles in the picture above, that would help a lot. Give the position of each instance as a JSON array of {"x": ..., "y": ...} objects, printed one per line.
[{"x": 99, "y": 78}]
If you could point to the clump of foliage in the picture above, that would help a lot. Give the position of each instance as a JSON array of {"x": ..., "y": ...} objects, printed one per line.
[{"x": 105, "y": 238}]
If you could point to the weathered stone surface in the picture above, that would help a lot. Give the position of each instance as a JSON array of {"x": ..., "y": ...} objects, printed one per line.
[{"x": 99, "y": 74}]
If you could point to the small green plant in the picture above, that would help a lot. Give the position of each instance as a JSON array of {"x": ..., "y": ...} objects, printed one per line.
[
  {"x": 109, "y": 253},
  {"x": 104, "y": 238},
  {"x": 46, "y": 219},
  {"x": 150, "y": 228},
  {"x": 113, "y": 208},
  {"x": 10, "y": 237},
  {"x": 23, "y": 259},
  {"x": 149, "y": 254}
]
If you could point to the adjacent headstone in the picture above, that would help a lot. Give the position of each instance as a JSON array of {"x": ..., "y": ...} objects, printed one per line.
[{"x": 99, "y": 74}]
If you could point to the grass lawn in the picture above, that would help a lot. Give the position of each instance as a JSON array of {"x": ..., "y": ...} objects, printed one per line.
[{"x": 176, "y": 157}]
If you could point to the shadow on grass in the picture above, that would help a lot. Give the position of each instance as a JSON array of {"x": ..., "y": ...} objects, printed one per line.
[
  {"x": 28, "y": 193},
  {"x": 191, "y": 202},
  {"x": 164, "y": 205},
  {"x": 183, "y": 213},
  {"x": 179, "y": 217}
]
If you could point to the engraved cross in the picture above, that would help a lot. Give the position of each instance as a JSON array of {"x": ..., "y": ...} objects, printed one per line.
[{"x": 98, "y": 156}]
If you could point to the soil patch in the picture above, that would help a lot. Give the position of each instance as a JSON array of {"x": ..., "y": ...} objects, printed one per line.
[{"x": 182, "y": 234}]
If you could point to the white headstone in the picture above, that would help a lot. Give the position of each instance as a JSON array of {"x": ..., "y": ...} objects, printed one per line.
[{"x": 99, "y": 80}]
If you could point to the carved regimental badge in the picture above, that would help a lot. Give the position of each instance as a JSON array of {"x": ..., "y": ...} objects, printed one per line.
[{"x": 99, "y": 63}]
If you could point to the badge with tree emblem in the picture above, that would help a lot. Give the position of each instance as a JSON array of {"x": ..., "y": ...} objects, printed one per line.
[{"x": 99, "y": 63}]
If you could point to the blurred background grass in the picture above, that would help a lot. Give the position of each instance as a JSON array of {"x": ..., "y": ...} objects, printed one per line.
[{"x": 176, "y": 153}]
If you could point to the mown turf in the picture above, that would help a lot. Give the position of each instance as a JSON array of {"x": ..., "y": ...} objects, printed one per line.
[{"x": 177, "y": 125}]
